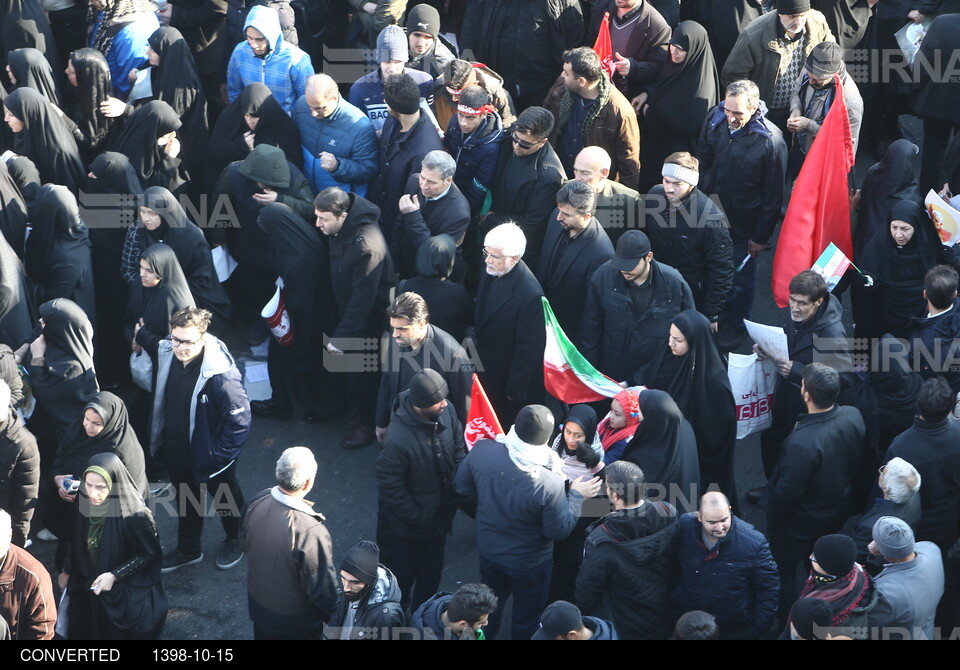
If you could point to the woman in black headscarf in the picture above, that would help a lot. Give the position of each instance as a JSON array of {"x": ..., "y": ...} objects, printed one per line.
[
  {"x": 41, "y": 134},
  {"x": 253, "y": 118},
  {"x": 13, "y": 211},
  {"x": 111, "y": 175},
  {"x": 149, "y": 139},
  {"x": 448, "y": 302},
  {"x": 162, "y": 219},
  {"x": 896, "y": 262},
  {"x": 23, "y": 23},
  {"x": 16, "y": 323},
  {"x": 665, "y": 448},
  {"x": 27, "y": 179},
  {"x": 894, "y": 389},
  {"x": 102, "y": 428},
  {"x": 114, "y": 574},
  {"x": 175, "y": 81},
  {"x": 299, "y": 259},
  {"x": 163, "y": 290},
  {"x": 28, "y": 68},
  {"x": 888, "y": 182},
  {"x": 89, "y": 73},
  {"x": 57, "y": 255},
  {"x": 673, "y": 108},
  {"x": 690, "y": 369}
]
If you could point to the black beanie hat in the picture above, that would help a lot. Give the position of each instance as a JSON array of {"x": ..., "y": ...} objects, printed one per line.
[
  {"x": 424, "y": 19},
  {"x": 810, "y": 614},
  {"x": 427, "y": 388},
  {"x": 790, "y": 7},
  {"x": 836, "y": 554},
  {"x": 534, "y": 424},
  {"x": 362, "y": 560},
  {"x": 401, "y": 93}
]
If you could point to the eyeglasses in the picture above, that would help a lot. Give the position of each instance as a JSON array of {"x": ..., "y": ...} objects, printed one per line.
[
  {"x": 177, "y": 342},
  {"x": 487, "y": 254},
  {"x": 523, "y": 144}
]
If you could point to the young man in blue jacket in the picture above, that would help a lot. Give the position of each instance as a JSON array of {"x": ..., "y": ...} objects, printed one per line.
[{"x": 201, "y": 418}]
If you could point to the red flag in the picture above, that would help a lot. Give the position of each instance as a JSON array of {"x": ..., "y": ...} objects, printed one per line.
[
  {"x": 603, "y": 47},
  {"x": 819, "y": 210},
  {"x": 482, "y": 421}
]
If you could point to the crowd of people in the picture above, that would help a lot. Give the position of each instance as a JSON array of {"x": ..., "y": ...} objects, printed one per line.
[{"x": 176, "y": 171}]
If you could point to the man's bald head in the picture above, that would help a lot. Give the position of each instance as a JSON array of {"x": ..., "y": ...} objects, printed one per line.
[
  {"x": 322, "y": 86},
  {"x": 714, "y": 499},
  {"x": 714, "y": 515},
  {"x": 592, "y": 166}
]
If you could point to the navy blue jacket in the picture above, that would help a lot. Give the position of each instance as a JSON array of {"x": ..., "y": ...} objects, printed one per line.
[
  {"x": 933, "y": 345},
  {"x": 476, "y": 156},
  {"x": 737, "y": 581}
]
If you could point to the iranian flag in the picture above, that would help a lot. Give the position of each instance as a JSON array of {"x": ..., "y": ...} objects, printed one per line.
[
  {"x": 482, "y": 421},
  {"x": 567, "y": 375}
]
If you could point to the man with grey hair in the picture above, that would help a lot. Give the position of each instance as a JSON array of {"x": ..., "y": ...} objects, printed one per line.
[
  {"x": 431, "y": 205},
  {"x": 575, "y": 245},
  {"x": 899, "y": 482},
  {"x": 291, "y": 583},
  {"x": 509, "y": 321},
  {"x": 26, "y": 591},
  {"x": 743, "y": 158},
  {"x": 910, "y": 585}
]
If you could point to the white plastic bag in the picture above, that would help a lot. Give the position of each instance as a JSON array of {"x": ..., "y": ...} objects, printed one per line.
[
  {"x": 753, "y": 383},
  {"x": 141, "y": 369}
]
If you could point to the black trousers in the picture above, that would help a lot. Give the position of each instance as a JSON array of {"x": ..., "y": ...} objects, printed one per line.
[
  {"x": 417, "y": 564},
  {"x": 226, "y": 502}
]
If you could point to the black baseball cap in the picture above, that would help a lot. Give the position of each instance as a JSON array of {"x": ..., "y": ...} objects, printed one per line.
[
  {"x": 632, "y": 246},
  {"x": 558, "y": 619}
]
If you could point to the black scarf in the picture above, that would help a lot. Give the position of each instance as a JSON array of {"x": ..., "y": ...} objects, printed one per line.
[
  {"x": 27, "y": 179},
  {"x": 94, "y": 86},
  {"x": 13, "y": 211},
  {"x": 176, "y": 82},
  {"x": 45, "y": 139},
  {"x": 888, "y": 182},
  {"x": 157, "y": 304},
  {"x": 23, "y": 23},
  {"x": 686, "y": 92},
  {"x": 58, "y": 234},
  {"x": 137, "y": 140},
  {"x": 31, "y": 70},
  {"x": 16, "y": 322}
]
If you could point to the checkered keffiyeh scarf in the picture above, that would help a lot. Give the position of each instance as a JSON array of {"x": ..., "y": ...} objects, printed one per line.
[{"x": 791, "y": 65}]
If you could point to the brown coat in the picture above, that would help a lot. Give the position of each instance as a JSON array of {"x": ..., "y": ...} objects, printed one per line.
[
  {"x": 26, "y": 596},
  {"x": 615, "y": 130},
  {"x": 756, "y": 55}
]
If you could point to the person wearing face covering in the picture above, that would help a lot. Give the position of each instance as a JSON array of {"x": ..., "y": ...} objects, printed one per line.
[
  {"x": 57, "y": 256},
  {"x": 41, "y": 133},
  {"x": 665, "y": 448},
  {"x": 149, "y": 139},
  {"x": 690, "y": 369},
  {"x": 114, "y": 573},
  {"x": 164, "y": 220},
  {"x": 175, "y": 80},
  {"x": 119, "y": 29},
  {"x": 29, "y": 69},
  {"x": 448, "y": 302},
  {"x": 896, "y": 262},
  {"x": 89, "y": 73},
  {"x": 672, "y": 108},
  {"x": 13, "y": 211}
]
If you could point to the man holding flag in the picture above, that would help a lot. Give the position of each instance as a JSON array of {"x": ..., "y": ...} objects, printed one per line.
[{"x": 636, "y": 43}]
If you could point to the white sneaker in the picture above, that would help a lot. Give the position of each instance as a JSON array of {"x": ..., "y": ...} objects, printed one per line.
[{"x": 45, "y": 535}]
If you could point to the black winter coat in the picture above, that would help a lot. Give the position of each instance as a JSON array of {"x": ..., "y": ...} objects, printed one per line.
[
  {"x": 629, "y": 569},
  {"x": 810, "y": 491},
  {"x": 361, "y": 272},
  {"x": 938, "y": 99},
  {"x": 565, "y": 283},
  {"x": 202, "y": 24},
  {"x": 736, "y": 581},
  {"x": 613, "y": 336},
  {"x": 449, "y": 215},
  {"x": 19, "y": 474},
  {"x": 694, "y": 238},
  {"x": 415, "y": 471},
  {"x": 378, "y": 613},
  {"x": 511, "y": 336},
  {"x": 933, "y": 448}
]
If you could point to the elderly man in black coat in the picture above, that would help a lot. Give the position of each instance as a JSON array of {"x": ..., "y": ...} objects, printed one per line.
[
  {"x": 511, "y": 335},
  {"x": 574, "y": 247},
  {"x": 19, "y": 469},
  {"x": 361, "y": 274},
  {"x": 813, "y": 485}
]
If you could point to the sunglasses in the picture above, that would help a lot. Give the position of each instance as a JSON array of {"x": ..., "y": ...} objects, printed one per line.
[{"x": 523, "y": 144}]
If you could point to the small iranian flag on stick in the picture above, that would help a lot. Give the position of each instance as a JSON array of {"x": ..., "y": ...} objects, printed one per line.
[
  {"x": 482, "y": 421},
  {"x": 567, "y": 375},
  {"x": 831, "y": 265}
]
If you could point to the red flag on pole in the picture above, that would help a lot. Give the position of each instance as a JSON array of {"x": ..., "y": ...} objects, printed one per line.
[
  {"x": 819, "y": 210},
  {"x": 603, "y": 47},
  {"x": 482, "y": 421}
]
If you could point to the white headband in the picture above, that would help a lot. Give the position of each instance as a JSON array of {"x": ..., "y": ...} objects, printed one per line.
[{"x": 675, "y": 171}]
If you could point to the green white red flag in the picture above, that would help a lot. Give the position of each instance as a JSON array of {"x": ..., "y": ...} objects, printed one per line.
[
  {"x": 567, "y": 375},
  {"x": 482, "y": 421}
]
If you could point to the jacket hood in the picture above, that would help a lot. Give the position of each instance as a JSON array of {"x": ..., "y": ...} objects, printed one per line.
[
  {"x": 216, "y": 357},
  {"x": 361, "y": 211},
  {"x": 754, "y": 125},
  {"x": 490, "y": 131},
  {"x": 427, "y": 616},
  {"x": 386, "y": 590},
  {"x": 267, "y": 21},
  {"x": 602, "y": 629},
  {"x": 489, "y": 79},
  {"x": 267, "y": 165},
  {"x": 626, "y": 531},
  {"x": 436, "y": 256}
]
